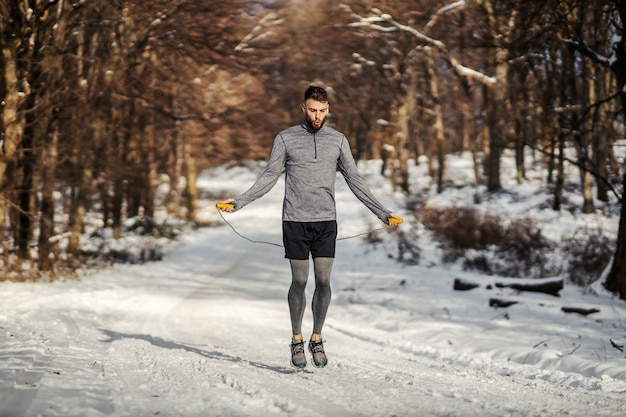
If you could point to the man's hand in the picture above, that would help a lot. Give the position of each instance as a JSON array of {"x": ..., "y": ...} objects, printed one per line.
[
  {"x": 394, "y": 220},
  {"x": 226, "y": 205}
]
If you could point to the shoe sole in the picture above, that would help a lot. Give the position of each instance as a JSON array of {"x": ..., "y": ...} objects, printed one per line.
[
  {"x": 298, "y": 366},
  {"x": 321, "y": 365},
  {"x": 302, "y": 366}
]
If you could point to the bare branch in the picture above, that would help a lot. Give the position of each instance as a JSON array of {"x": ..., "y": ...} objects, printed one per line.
[
  {"x": 159, "y": 109},
  {"x": 584, "y": 49}
]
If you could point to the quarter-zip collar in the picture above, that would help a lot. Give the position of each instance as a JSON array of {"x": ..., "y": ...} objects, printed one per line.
[
  {"x": 314, "y": 132},
  {"x": 309, "y": 129}
]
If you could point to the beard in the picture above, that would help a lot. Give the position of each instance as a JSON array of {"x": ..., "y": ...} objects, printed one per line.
[{"x": 311, "y": 123}]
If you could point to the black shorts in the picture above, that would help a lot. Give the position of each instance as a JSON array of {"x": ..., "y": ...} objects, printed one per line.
[{"x": 316, "y": 238}]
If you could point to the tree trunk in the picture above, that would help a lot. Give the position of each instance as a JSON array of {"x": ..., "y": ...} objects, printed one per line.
[
  {"x": 175, "y": 172},
  {"x": 493, "y": 162},
  {"x": 520, "y": 131},
  {"x": 191, "y": 193},
  {"x": 501, "y": 105},
  {"x": 46, "y": 222},
  {"x": 582, "y": 151},
  {"x": 519, "y": 162},
  {"x": 438, "y": 127},
  {"x": 404, "y": 140},
  {"x": 563, "y": 86},
  {"x": 150, "y": 169},
  {"x": 124, "y": 115},
  {"x": 12, "y": 119},
  {"x": 548, "y": 134},
  {"x": 560, "y": 173},
  {"x": 582, "y": 142},
  {"x": 3, "y": 222},
  {"x": 81, "y": 181},
  {"x": 118, "y": 190},
  {"x": 587, "y": 186},
  {"x": 401, "y": 144},
  {"x": 601, "y": 142},
  {"x": 25, "y": 193},
  {"x": 550, "y": 162},
  {"x": 616, "y": 279},
  {"x": 78, "y": 206},
  {"x": 12, "y": 127},
  {"x": 421, "y": 129},
  {"x": 485, "y": 134},
  {"x": 116, "y": 207}
]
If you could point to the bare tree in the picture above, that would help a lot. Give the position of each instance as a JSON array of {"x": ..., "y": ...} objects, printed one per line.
[
  {"x": 88, "y": 104},
  {"x": 614, "y": 58},
  {"x": 431, "y": 49}
]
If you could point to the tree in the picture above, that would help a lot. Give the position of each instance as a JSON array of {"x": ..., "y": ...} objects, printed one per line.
[
  {"x": 431, "y": 49},
  {"x": 614, "y": 59},
  {"x": 105, "y": 98},
  {"x": 89, "y": 104}
]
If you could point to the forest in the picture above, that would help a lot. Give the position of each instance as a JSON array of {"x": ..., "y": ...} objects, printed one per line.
[{"x": 104, "y": 101}]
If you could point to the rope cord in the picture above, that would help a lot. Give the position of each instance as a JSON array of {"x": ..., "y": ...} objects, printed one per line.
[{"x": 280, "y": 246}]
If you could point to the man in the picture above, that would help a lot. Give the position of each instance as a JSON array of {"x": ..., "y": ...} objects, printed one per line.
[{"x": 310, "y": 153}]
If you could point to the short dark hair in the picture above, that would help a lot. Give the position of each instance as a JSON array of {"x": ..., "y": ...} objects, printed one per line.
[{"x": 316, "y": 93}]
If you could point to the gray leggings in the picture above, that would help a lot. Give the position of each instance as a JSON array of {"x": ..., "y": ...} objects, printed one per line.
[{"x": 321, "y": 296}]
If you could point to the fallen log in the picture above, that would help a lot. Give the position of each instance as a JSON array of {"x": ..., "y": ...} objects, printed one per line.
[
  {"x": 582, "y": 311},
  {"x": 497, "y": 303},
  {"x": 462, "y": 285},
  {"x": 547, "y": 287}
]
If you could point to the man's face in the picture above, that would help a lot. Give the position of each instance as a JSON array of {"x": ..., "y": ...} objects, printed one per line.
[{"x": 315, "y": 113}]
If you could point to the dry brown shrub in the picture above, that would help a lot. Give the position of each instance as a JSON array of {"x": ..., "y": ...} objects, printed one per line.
[
  {"x": 463, "y": 227},
  {"x": 486, "y": 244},
  {"x": 588, "y": 255}
]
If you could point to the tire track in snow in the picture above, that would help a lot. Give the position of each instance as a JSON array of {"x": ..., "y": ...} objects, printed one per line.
[
  {"x": 34, "y": 377},
  {"x": 20, "y": 375},
  {"x": 443, "y": 387}
]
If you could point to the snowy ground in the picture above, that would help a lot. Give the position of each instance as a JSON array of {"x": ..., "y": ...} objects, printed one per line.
[{"x": 205, "y": 332}]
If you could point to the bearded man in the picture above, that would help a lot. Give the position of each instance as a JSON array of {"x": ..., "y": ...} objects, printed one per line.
[{"x": 310, "y": 154}]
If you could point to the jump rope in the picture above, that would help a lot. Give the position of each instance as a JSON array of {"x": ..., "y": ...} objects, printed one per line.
[{"x": 219, "y": 206}]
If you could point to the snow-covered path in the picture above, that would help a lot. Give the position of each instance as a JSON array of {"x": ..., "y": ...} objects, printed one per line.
[
  {"x": 205, "y": 332},
  {"x": 210, "y": 339}
]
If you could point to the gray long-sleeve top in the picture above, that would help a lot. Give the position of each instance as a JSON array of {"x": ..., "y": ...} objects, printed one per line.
[{"x": 310, "y": 159}]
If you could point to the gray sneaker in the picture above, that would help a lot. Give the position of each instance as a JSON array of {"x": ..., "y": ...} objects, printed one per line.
[
  {"x": 297, "y": 354},
  {"x": 317, "y": 351}
]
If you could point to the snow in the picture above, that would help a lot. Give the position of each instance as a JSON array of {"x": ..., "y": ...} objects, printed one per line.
[{"x": 205, "y": 331}]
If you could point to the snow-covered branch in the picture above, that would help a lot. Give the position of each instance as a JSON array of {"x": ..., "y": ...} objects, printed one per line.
[
  {"x": 257, "y": 33},
  {"x": 375, "y": 23},
  {"x": 374, "y": 26},
  {"x": 384, "y": 22},
  {"x": 443, "y": 10},
  {"x": 470, "y": 73},
  {"x": 427, "y": 39}
]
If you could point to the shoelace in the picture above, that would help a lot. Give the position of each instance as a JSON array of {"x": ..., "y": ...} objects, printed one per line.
[
  {"x": 317, "y": 346},
  {"x": 297, "y": 347}
]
